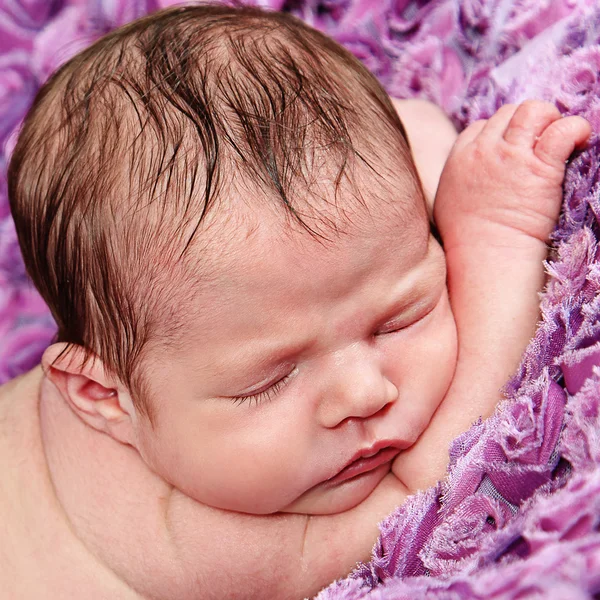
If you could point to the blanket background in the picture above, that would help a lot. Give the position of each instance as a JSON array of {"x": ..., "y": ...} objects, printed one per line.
[{"x": 518, "y": 516}]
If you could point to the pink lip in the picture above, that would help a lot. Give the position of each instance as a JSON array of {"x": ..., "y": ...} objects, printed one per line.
[{"x": 368, "y": 460}]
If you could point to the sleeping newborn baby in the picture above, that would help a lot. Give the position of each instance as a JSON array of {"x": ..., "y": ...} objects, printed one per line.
[{"x": 257, "y": 356}]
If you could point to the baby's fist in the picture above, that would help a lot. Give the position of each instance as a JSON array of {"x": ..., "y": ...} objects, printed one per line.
[{"x": 504, "y": 175}]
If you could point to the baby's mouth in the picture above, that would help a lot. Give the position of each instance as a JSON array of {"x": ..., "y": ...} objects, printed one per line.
[{"x": 365, "y": 463}]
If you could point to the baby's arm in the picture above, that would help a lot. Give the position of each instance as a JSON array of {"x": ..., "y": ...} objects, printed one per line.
[
  {"x": 222, "y": 554},
  {"x": 498, "y": 200}
]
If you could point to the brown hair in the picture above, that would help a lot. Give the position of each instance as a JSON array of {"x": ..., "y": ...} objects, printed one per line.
[{"x": 125, "y": 148}]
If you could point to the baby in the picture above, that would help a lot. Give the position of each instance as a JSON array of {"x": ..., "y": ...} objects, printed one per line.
[{"x": 257, "y": 356}]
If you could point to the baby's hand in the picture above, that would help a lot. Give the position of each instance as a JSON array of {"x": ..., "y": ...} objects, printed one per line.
[
  {"x": 498, "y": 200},
  {"x": 503, "y": 178}
]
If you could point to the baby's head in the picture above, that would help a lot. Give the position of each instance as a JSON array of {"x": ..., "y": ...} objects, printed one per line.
[{"x": 220, "y": 208}]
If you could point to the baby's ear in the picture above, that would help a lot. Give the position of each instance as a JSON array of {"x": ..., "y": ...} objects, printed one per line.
[{"x": 99, "y": 399}]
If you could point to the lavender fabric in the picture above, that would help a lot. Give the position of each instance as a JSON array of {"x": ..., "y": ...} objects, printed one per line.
[{"x": 519, "y": 514}]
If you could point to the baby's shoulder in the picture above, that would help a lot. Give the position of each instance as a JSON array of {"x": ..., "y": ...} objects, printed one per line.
[
  {"x": 418, "y": 115},
  {"x": 21, "y": 455},
  {"x": 38, "y": 546},
  {"x": 19, "y": 485},
  {"x": 431, "y": 135}
]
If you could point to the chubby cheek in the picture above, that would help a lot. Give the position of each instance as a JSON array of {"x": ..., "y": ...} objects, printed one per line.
[
  {"x": 239, "y": 458},
  {"x": 440, "y": 355},
  {"x": 263, "y": 467},
  {"x": 427, "y": 362}
]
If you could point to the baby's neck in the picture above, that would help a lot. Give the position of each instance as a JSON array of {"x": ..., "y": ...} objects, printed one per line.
[{"x": 111, "y": 501}]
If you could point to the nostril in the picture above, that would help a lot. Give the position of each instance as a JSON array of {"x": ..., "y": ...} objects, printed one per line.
[
  {"x": 358, "y": 396},
  {"x": 383, "y": 410},
  {"x": 355, "y": 419}
]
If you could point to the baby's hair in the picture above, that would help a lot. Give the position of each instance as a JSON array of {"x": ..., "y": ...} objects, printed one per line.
[{"x": 133, "y": 142}]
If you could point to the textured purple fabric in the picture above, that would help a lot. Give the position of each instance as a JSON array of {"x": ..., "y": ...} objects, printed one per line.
[{"x": 519, "y": 514}]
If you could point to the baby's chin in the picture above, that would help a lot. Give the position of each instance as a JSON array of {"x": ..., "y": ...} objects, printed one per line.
[{"x": 330, "y": 498}]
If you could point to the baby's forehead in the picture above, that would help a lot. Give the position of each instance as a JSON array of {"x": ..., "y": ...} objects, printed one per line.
[{"x": 240, "y": 237}]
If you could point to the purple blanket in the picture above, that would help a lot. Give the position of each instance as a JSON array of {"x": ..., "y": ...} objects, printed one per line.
[{"x": 519, "y": 515}]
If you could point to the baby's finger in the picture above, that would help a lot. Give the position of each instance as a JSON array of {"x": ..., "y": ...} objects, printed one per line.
[
  {"x": 471, "y": 132},
  {"x": 558, "y": 141},
  {"x": 498, "y": 122},
  {"x": 529, "y": 122}
]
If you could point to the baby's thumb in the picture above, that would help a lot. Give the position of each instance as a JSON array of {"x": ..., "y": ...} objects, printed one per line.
[{"x": 560, "y": 138}]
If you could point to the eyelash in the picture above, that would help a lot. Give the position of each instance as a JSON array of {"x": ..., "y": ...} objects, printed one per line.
[
  {"x": 401, "y": 327},
  {"x": 267, "y": 394},
  {"x": 386, "y": 332}
]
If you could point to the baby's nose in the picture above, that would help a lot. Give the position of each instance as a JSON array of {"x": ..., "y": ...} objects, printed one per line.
[{"x": 355, "y": 388}]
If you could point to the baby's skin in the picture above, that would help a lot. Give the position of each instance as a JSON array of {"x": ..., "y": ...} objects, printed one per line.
[{"x": 84, "y": 515}]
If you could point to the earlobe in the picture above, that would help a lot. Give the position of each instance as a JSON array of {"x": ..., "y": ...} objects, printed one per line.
[{"x": 97, "y": 398}]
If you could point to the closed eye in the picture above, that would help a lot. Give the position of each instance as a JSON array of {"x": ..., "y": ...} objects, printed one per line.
[
  {"x": 267, "y": 393},
  {"x": 404, "y": 322},
  {"x": 392, "y": 327}
]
